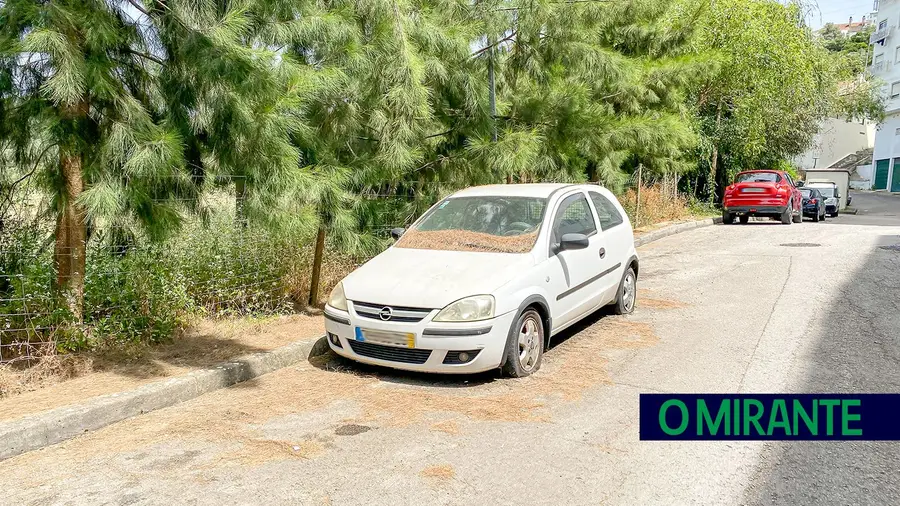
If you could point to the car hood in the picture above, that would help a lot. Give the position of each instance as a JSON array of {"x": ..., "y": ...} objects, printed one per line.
[{"x": 431, "y": 279}]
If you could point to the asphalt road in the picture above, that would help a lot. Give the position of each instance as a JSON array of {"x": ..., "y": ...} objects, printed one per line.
[{"x": 761, "y": 307}]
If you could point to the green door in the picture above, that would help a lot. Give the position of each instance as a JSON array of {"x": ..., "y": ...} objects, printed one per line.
[
  {"x": 895, "y": 177},
  {"x": 881, "y": 174}
]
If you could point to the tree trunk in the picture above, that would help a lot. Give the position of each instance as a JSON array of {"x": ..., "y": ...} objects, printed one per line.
[
  {"x": 71, "y": 231},
  {"x": 240, "y": 195},
  {"x": 714, "y": 163},
  {"x": 317, "y": 267}
]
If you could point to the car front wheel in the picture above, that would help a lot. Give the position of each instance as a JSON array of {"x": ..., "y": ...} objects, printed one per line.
[
  {"x": 627, "y": 295},
  {"x": 525, "y": 345}
]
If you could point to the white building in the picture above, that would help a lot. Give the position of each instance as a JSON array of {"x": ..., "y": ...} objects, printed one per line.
[
  {"x": 886, "y": 65},
  {"x": 837, "y": 138}
]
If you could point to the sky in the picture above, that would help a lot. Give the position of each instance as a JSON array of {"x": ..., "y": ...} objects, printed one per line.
[{"x": 838, "y": 11}]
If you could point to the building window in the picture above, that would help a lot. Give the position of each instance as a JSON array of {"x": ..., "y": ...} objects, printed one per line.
[
  {"x": 882, "y": 25},
  {"x": 897, "y": 132},
  {"x": 897, "y": 55},
  {"x": 895, "y": 90}
]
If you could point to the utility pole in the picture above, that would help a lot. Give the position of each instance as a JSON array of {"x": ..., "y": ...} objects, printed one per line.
[
  {"x": 637, "y": 207},
  {"x": 492, "y": 91}
]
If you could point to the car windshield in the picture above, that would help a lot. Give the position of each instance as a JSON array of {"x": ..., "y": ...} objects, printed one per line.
[
  {"x": 806, "y": 193},
  {"x": 757, "y": 177},
  {"x": 826, "y": 192},
  {"x": 486, "y": 224}
]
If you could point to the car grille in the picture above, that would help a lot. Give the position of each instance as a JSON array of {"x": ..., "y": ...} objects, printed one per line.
[
  {"x": 391, "y": 353},
  {"x": 398, "y": 313}
]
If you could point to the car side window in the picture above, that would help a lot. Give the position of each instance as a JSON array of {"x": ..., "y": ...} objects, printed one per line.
[
  {"x": 606, "y": 211},
  {"x": 573, "y": 216}
]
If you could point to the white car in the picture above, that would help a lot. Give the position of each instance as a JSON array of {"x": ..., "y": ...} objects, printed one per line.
[
  {"x": 832, "y": 195},
  {"x": 484, "y": 278}
]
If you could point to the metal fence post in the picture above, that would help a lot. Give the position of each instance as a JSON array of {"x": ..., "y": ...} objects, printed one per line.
[{"x": 637, "y": 207}]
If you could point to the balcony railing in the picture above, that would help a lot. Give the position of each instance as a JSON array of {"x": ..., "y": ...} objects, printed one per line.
[{"x": 880, "y": 35}]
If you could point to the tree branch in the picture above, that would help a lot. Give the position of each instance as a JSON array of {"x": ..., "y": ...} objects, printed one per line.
[
  {"x": 139, "y": 7},
  {"x": 488, "y": 48},
  {"x": 439, "y": 134},
  {"x": 145, "y": 55}
]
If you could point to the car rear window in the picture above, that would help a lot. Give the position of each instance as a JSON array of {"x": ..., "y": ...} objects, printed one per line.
[
  {"x": 826, "y": 192},
  {"x": 758, "y": 177},
  {"x": 806, "y": 193}
]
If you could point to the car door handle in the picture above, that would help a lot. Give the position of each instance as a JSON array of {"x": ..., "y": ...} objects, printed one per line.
[{"x": 602, "y": 252}]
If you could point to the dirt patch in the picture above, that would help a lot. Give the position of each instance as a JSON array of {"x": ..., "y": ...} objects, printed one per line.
[
  {"x": 650, "y": 303},
  {"x": 259, "y": 451},
  {"x": 61, "y": 380},
  {"x": 49, "y": 370},
  {"x": 465, "y": 240},
  {"x": 439, "y": 473},
  {"x": 580, "y": 363}
]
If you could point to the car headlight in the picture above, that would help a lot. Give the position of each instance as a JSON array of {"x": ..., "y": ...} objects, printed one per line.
[
  {"x": 337, "y": 299},
  {"x": 470, "y": 309}
]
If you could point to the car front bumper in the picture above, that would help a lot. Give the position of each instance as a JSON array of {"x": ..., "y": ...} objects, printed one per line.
[{"x": 437, "y": 345}]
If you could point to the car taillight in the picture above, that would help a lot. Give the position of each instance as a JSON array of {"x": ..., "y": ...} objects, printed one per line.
[{"x": 813, "y": 201}]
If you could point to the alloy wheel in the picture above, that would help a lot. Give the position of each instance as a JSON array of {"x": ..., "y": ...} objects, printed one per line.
[
  {"x": 629, "y": 291},
  {"x": 529, "y": 342}
]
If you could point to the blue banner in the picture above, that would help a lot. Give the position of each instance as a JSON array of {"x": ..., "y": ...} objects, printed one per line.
[{"x": 801, "y": 417}]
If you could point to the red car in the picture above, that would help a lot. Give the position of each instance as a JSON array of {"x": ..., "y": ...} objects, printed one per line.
[{"x": 767, "y": 193}]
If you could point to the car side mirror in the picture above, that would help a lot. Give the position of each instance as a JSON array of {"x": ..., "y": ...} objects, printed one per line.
[
  {"x": 397, "y": 232},
  {"x": 799, "y": 184},
  {"x": 573, "y": 241}
]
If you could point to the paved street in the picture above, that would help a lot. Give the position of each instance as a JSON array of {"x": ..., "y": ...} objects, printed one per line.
[{"x": 744, "y": 308}]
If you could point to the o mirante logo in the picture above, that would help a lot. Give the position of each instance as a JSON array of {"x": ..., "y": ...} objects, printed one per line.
[{"x": 769, "y": 416}]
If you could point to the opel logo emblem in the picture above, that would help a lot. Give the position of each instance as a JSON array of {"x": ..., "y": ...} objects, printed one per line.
[{"x": 386, "y": 313}]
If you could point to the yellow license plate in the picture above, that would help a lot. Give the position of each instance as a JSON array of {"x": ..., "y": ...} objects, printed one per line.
[{"x": 386, "y": 337}]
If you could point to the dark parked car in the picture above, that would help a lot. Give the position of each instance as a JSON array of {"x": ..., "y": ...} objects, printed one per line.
[{"x": 813, "y": 203}]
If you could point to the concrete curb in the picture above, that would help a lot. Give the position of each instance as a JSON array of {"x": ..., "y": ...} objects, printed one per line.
[
  {"x": 50, "y": 427},
  {"x": 674, "y": 229}
]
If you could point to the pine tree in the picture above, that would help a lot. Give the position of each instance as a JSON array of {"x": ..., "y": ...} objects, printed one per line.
[{"x": 127, "y": 108}]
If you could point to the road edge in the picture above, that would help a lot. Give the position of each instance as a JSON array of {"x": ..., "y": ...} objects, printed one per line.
[
  {"x": 674, "y": 229},
  {"x": 46, "y": 428}
]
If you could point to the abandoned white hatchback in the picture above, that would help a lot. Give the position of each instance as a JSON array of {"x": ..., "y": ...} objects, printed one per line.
[{"x": 485, "y": 277}]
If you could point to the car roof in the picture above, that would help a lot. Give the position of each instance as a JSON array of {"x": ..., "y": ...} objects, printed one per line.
[
  {"x": 537, "y": 190},
  {"x": 821, "y": 183}
]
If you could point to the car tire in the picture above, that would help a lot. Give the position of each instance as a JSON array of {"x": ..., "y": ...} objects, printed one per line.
[
  {"x": 787, "y": 215},
  {"x": 798, "y": 218},
  {"x": 727, "y": 218},
  {"x": 817, "y": 217},
  {"x": 525, "y": 345},
  {"x": 744, "y": 219},
  {"x": 626, "y": 297}
]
